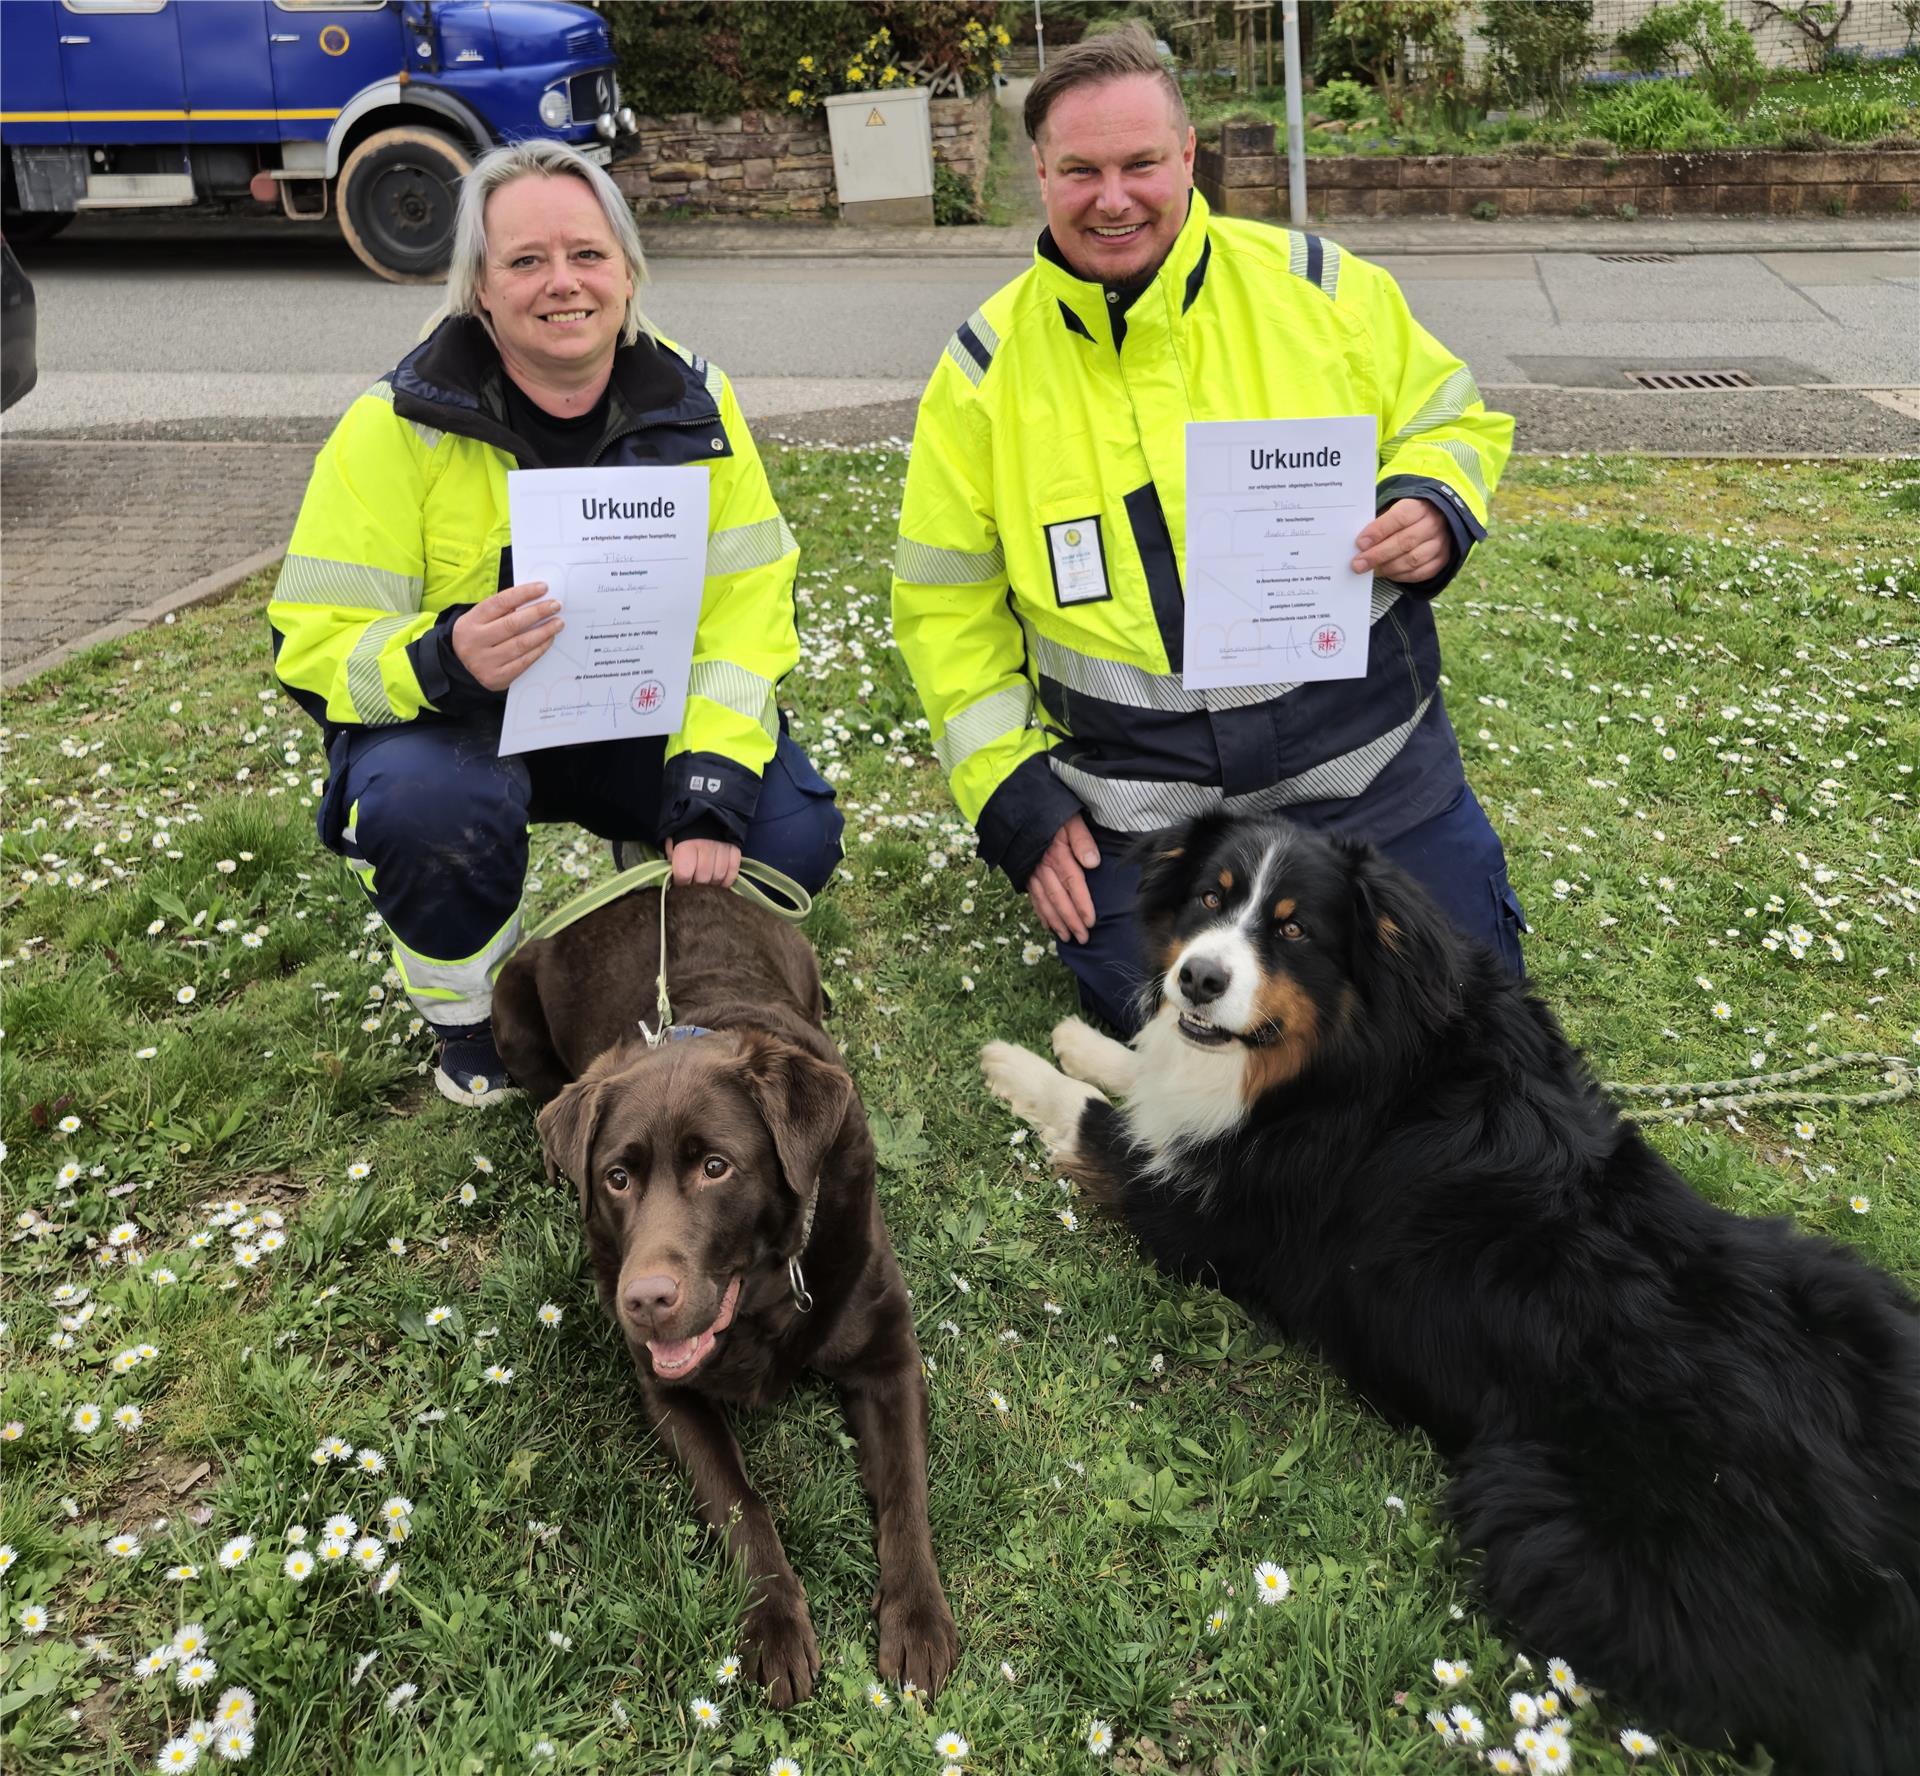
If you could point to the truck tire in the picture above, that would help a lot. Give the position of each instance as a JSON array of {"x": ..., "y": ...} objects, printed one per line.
[{"x": 396, "y": 197}]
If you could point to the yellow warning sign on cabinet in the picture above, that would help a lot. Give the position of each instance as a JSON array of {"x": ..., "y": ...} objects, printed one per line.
[{"x": 875, "y": 120}]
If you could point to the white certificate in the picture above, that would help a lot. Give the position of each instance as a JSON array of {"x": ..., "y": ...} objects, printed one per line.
[
  {"x": 625, "y": 553},
  {"x": 1273, "y": 507}
]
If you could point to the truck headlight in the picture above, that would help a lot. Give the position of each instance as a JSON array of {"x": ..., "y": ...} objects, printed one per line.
[
  {"x": 605, "y": 128},
  {"x": 626, "y": 120},
  {"x": 555, "y": 112}
]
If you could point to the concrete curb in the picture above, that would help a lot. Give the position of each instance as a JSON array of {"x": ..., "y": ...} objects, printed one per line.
[
  {"x": 1392, "y": 239},
  {"x": 203, "y": 591}
]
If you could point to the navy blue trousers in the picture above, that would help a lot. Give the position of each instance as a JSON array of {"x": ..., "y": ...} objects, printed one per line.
[
  {"x": 1456, "y": 856},
  {"x": 442, "y": 819}
]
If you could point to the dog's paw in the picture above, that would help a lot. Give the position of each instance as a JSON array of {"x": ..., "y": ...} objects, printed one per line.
[
  {"x": 1038, "y": 1094},
  {"x": 1084, "y": 1053},
  {"x": 781, "y": 1650},
  {"x": 918, "y": 1642}
]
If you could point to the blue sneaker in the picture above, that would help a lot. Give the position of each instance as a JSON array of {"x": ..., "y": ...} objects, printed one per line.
[{"x": 469, "y": 1070}]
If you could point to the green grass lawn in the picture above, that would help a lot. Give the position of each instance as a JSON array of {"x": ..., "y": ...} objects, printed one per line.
[{"x": 1689, "y": 694}]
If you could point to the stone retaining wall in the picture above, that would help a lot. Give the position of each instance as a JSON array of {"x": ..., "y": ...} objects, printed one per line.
[
  {"x": 1244, "y": 175},
  {"x": 770, "y": 163}
]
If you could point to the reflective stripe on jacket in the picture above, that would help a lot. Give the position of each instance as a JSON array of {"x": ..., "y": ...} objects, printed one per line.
[
  {"x": 1055, "y": 407},
  {"x": 404, "y": 526}
]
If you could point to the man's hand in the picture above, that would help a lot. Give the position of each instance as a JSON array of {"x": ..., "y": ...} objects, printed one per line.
[
  {"x": 1058, "y": 885},
  {"x": 704, "y": 860},
  {"x": 501, "y": 636},
  {"x": 1408, "y": 542}
]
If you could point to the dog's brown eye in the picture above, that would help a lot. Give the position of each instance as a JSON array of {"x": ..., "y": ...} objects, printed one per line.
[
  {"x": 1293, "y": 931},
  {"x": 1211, "y": 900},
  {"x": 617, "y": 1178},
  {"x": 713, "y": 1166}
]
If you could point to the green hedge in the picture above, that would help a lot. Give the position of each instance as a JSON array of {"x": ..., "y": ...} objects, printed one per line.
[{"x": 729, "y": 55}]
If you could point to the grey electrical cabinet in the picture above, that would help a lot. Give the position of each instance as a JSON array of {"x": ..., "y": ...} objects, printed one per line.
[{"x": 883, "y": 155}]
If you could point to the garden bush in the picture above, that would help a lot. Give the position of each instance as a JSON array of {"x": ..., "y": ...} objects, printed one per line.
[
  {"x": 1662, "y": 116},
  {"x": 1856, "y": 119},
  {"x": 1344, "y": 100},
  {"x": 1699, "y": 33},
  {"x": 1537, "y": 49}
]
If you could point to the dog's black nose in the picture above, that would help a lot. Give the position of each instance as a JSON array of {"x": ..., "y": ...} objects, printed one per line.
[
  {"x": 651, "y": 1294},
  {"x": 1203, "y": 980}
]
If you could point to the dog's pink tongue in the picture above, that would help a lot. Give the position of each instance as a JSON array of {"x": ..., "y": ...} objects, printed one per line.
[{"x": 676, "y": 1356}]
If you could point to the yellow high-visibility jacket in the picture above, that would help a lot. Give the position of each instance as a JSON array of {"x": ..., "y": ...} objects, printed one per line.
[
  {"x": 1059, "y": 410},
  {"x": 404, "y": 526}
]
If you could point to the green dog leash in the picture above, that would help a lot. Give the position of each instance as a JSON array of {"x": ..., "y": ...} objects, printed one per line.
[{"x": 788, "y": 900}]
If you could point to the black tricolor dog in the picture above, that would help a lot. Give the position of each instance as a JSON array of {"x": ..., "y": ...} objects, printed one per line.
[{"x": 1687, "y": 1444}]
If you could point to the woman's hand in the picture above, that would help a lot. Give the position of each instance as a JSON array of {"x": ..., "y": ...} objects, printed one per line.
[
  {"x": 500, "y": 637},
  {"x": 704, "y": 860}
]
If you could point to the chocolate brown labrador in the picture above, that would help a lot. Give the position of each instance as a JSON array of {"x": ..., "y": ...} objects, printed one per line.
[{"x": 726, "y": 1185}]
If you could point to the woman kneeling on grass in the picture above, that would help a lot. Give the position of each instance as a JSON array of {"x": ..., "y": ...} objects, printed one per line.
[{"x": 398, "y": 626}]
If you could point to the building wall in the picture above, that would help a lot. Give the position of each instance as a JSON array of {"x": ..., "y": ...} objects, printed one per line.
[{"x": 1872, "y": 28}]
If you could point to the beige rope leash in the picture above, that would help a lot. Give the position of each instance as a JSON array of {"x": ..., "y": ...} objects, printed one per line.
[{"x": 1717, "y": 1097}]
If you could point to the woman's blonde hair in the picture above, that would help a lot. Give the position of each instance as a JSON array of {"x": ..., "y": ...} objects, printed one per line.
[{"x": 543, "y": 159}]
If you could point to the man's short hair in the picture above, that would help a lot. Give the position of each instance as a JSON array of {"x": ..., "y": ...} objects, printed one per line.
[{"x": 1093, "y": 61}]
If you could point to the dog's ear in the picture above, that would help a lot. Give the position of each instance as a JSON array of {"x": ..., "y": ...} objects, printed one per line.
[
  {"x": 1399, "y": 934},
  {"x": 803, "y": 1101},
  {"x": 567, "y": 1127},
  {"x": 1167, "y": 858}
]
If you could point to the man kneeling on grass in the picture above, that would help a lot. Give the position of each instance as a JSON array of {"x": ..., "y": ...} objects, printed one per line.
[
  {"x": 1037, "y": 591},
  {"x": 397, "y": 623}
]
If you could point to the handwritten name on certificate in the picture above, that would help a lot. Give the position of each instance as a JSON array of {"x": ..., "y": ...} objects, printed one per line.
[
  {"x": 1273, "y": 507},
  {"x": 625, "y": 553}
]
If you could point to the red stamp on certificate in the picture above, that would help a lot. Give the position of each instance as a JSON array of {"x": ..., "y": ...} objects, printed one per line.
[
  {"x": 648, "y": 695},
  {"x": 1328, "y": 640}
]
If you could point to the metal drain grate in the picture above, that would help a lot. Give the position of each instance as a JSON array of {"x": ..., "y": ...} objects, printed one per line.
[
  {"x": 1688, "y": 380},
  {"x": 1635, "y": 258}
]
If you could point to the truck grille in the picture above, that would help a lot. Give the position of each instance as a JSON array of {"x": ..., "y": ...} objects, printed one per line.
[{"x": 591, "y": 94}]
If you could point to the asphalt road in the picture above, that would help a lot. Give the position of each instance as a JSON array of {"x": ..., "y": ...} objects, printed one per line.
[{"x": 252, "y": 334}]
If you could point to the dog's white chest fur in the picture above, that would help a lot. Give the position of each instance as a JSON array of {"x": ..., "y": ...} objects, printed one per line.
[{"x": 1182, "y": 1093}]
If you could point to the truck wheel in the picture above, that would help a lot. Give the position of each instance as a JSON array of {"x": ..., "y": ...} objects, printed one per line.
[{"x": 396, "y": 197}]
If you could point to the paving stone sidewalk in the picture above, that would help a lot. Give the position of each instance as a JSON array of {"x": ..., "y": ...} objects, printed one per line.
[{"x": 98, "y": 533}]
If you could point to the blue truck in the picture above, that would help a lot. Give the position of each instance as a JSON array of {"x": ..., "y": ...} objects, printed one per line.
[{"x": 371, "y": 110}]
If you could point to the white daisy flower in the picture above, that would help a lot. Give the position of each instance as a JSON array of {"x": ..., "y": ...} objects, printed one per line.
[
  {"x": 368, "y": 1554},
  {"x": 297, "y": 1565},
  {"x": 1552, "y": 1753},
  {"x": 186, "y": 995},
  {"x": 496, "y": 1374},
  {"x": 1520, "y": 1707},
  {"x": 549, "y": 1314},
  {"x": 387, "y": 1580},
  {"x": 397, "y": 1509},
  {"x": 437, "y": 1315},
  {"x": 1560, "y": 1675},
  {"x": 195, "y": 1673},
  {"x": 184, "y": 1572},
  {"x": 1270, "y": 1582},
  {"x": 86, "y": 1418},
  {"x": 124, "y": 1547},
  {"x": 1468, "y": 1725},
  {"x": 371, "y": 1461},
  {"x": 1860, "y": 1204},
  {"x": 468, "y": 1196},
  {"x": 1099, "y": 1738},
  {"x": 32, "y": 1619},
  {"x": 235, "y": 1745},
  {"x": 340, "y": 1527},
  {"x": 358, "y": 1170},
  {"x": 1637, "y": 1744},
  {"x": 1451, "y": 1671},
  {"x": 400, "y": 1695},
  {"x": 783, "y": 1766},
  {"x": 950, "y": 1746},
  {"x": 191, "y": 1639},
  {"x": 877, "y": 1697},
  {"x": 235, "y": 1552},
  {"x": 331, "y": 1552},
  {"x": 1504, "y": 1761},
  {"x": 705, "y": 1714},
  {"x": 726, "y": 1672},
  {"x": 179, "y": 1753}
]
